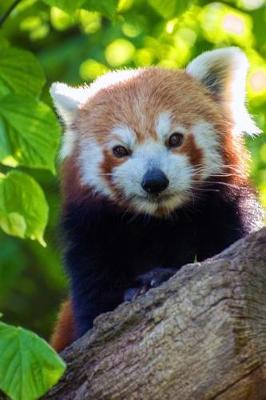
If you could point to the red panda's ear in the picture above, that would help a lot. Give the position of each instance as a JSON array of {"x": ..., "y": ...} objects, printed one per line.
[
  {"x": 67, "y": 100},
  {"x": 223, "y": 72}
]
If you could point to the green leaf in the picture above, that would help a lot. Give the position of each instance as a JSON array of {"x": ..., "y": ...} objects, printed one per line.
[
  {"x": 169, "y": 8},
  {"x": 23, "y": 207},
  {"x": 67, "y": 5},
  {"x": 20, "y": 72},
  {"x": 28, "y": 365},
  {"x": 30, "y": 130},
  {"x": 105, "y": 7},
  {"x": 3, "y": 42},
  {"x": 5, "y": 147}
]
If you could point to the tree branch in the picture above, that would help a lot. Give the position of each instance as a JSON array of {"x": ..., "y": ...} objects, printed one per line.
[
  {"x": 199, "y": 336},
  {"x": 8, "y": 12}
]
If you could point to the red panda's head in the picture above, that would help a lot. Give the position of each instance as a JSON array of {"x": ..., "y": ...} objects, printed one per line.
[{"x": 147, "y": 138}]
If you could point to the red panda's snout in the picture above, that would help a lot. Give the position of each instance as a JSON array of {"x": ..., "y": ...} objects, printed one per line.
[{"x": 154, "y": 181}]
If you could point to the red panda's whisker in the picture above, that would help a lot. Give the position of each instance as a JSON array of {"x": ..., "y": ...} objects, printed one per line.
[
  {"x": 220, "y": 183},
  {"x": 233, "y": 167},
  {"x": 206, "y": 190},
  {"x": 223, "y": 175},
  {"x": 229, "y": 166},
  {"x": 233, "y": 173}
]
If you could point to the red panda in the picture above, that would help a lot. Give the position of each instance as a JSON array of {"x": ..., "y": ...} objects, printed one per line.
[{"x": 154, "y": 174}]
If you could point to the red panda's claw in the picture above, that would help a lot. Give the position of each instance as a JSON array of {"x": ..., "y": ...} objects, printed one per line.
[
  {"x": 155, "y": 277},
  {"x": 132, "y": 293},
  {"x": 148, "y": 281}
]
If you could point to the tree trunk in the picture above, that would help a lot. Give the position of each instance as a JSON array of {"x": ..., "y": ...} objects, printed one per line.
[{"x": 199, "y": 336}]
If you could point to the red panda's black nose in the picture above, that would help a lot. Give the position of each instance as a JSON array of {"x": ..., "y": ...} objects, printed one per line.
[{"x": 154, "y": 181}]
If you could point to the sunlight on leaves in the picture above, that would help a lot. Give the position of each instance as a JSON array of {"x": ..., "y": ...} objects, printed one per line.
[
  {"x": 257, "y": 83},
  {"x": 144, "y": 57},
  {"x": 119, "y": 52},
  {"x": 91, "y": 69},
  {"x": 223, "y": 23},
  {"x": 20, "y": 71},
  {"x": 124, "y": 5},
  {"x": 131, "y": 30},
  {"x": 90, "y": 22},
  {"x": 31, "y": 131},
  {"x": 106, "y": 7},
  {"x": 250, "y": 4},
  {"x": 68, "y": 6},
  {"x": 61, "y": 20},
  {"x": 169, "y": 8}
]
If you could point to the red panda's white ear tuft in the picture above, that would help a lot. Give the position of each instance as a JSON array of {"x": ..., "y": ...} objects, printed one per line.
[
  {"x": 223, "y": 72},
  {"x": 67, "y": 100}
]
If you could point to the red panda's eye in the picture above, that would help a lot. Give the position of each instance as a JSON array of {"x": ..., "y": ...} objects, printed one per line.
[
  {"x": 120, "y": 151},
  {"x": 175, "y": 140}
]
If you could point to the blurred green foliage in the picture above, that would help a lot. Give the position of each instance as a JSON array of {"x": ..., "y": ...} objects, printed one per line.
[{"x": 79, "y": 40}]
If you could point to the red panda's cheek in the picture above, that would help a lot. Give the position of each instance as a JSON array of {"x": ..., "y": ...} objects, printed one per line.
[
  {"x": 108, "y": 164},
  {"x": 108, "y": 174},
  {"x": 192, "y": 151}
]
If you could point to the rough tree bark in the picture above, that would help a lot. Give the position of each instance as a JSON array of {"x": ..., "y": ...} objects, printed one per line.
[{"x": 201, "y": 335}]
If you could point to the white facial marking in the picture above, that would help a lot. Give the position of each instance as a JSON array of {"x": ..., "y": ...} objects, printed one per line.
[
  {"x": 124, "y": 134},
  {"x": 163, "y": 125},
  {"x": 207, "y": 139},
  {"x": 68, "y": 143},
  {"x": 90, "y": 159}
]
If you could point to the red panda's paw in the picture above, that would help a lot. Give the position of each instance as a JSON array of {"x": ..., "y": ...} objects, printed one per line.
[
  {"x": 147, "y": 281},
  {"x": 155, "y": 277},
  {"x": 132, "y": 293}
]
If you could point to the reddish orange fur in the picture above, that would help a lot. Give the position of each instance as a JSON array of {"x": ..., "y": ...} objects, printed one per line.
[
  {"x": 237, "y": 158},
  {"x": 194, "y": 153},
  {"x": 127, "y": 101},
  {"x": 64, "y": 332},
  {"x": 108, "y": 164}
]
